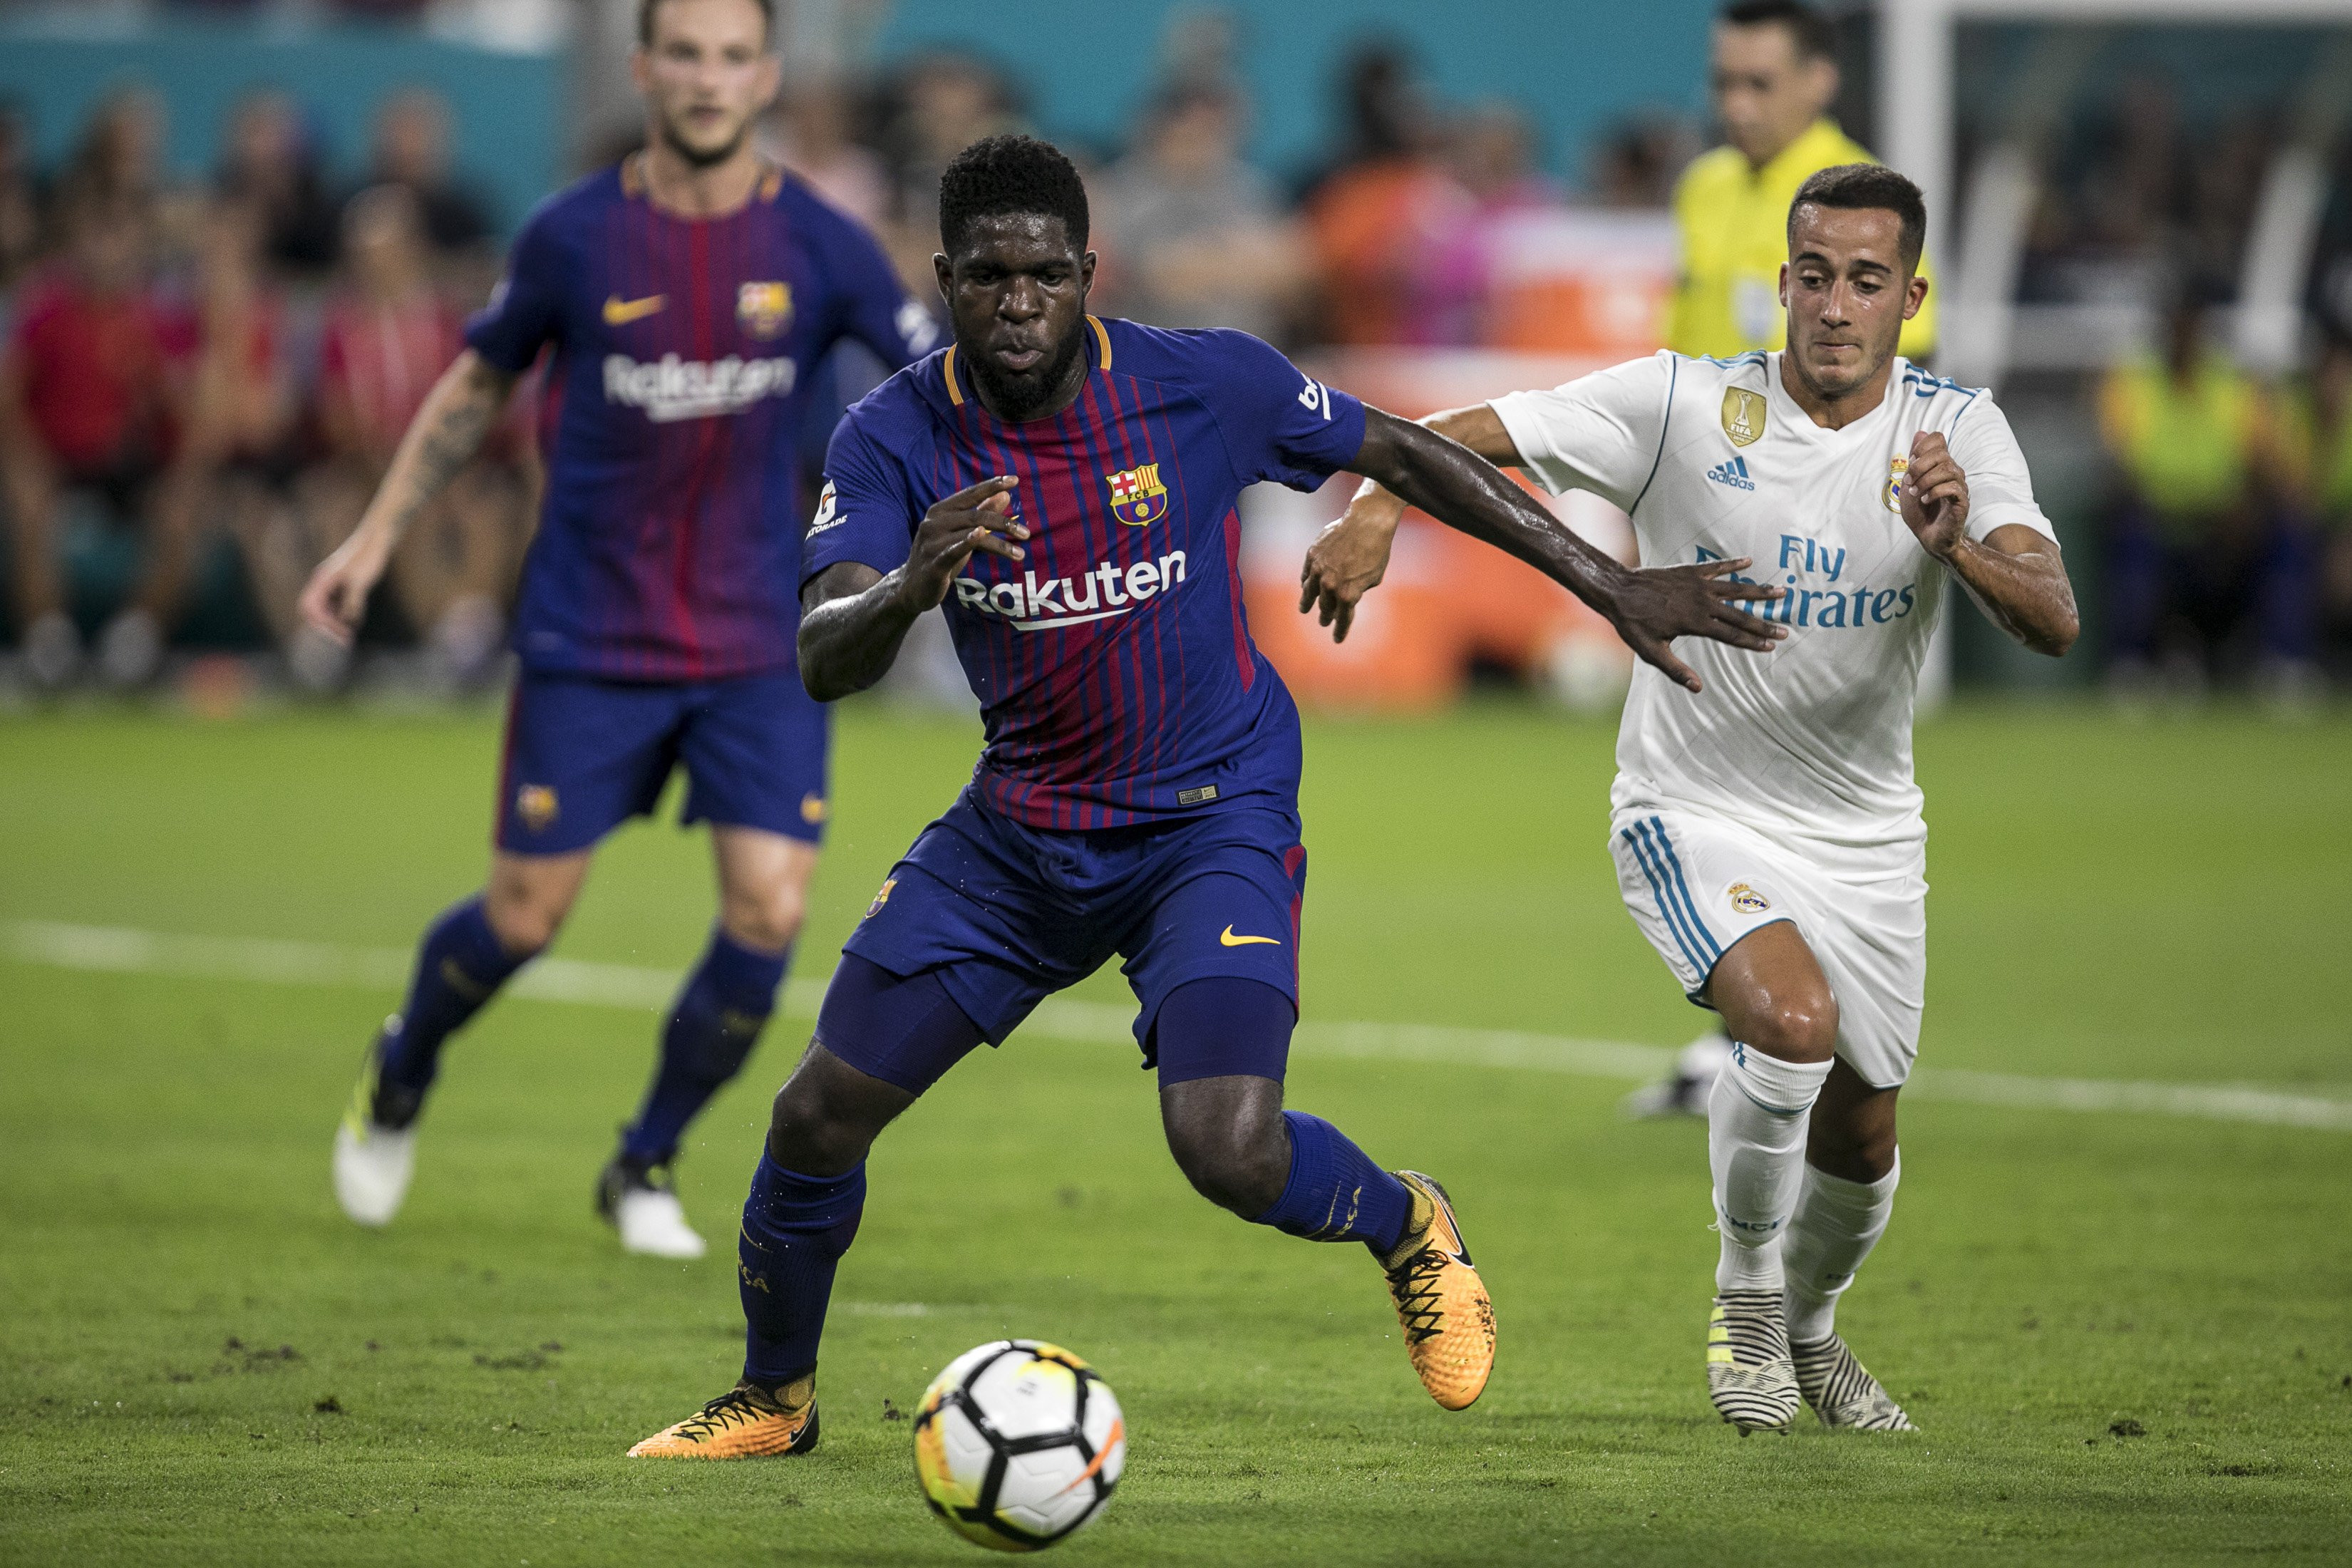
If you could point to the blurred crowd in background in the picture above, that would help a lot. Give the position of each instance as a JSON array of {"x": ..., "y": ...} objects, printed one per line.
[{"x": 202, "y": 383}]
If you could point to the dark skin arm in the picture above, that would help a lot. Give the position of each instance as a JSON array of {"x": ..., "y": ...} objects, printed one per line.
[
  {"x": 853, "y": 619},
  {"x": 1461, "y": 488},
  {"x": 2015, "y": 574}
]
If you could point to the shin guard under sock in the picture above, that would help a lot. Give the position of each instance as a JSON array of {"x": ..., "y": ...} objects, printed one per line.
[
  {"x": 796, "y": 1228},
  {"x": 1755, "y": 1122}
]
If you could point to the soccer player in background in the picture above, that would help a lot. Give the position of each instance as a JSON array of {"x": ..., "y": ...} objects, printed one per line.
[
  {"x": 1768, "y": 832},
  {"x": 687, "y": 294},
  {"x": 1065, "y": 486},
  {"x": 1772, "y": 74}
]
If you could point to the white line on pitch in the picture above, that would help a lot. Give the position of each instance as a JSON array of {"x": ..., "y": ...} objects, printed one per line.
[{"x": 636, "y": 987}]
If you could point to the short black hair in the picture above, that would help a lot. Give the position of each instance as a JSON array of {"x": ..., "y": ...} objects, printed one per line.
[
  {"x": 1809, "y": 28},
  {"x": 1870, "y": 187},
  {"x": 1009, "y": 175},
  {"x": 645, "y": 9}
]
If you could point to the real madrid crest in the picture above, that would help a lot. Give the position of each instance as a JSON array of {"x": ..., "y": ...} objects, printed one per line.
[
  {"x": 764, "y": 309},
  {"x": 1136, "y": 496},
  {"x": 1743, "y": 415},
  {"x": 1747, "y": 899},
  {"x": 1897, "y": 466}
]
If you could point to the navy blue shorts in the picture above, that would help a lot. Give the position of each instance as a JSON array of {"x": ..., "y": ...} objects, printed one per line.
[
  {"x": 585, "y": 755},
  {"x": 1008, "y": 914}
]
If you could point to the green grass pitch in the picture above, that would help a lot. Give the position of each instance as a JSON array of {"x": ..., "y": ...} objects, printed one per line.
[{"x": 201, "y": 1361}]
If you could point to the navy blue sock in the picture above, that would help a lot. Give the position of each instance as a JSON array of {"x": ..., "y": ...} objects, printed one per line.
[
  {"x": 796, "y": 1229},
  {"x": 712, "y": 1028},
  {"x": 1336, "y": 1193},
  {"x": 459, "y": 965}
]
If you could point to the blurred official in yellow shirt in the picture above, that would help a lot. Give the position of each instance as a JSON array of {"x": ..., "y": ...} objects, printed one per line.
[{"x": 1773, "y": 76}]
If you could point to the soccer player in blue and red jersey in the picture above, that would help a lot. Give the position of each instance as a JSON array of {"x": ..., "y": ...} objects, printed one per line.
[
  {"x": 1066, "y": 487},
  {"x": 687, "y": 295}
]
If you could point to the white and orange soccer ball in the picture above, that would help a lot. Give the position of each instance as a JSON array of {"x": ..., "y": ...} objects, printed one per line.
[{"x": 1018, "y": 1444}]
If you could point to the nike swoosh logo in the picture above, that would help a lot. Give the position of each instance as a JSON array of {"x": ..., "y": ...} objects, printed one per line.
[
  {"x": 1228, "y": 938},
  {"x": 620, "y": 312}
]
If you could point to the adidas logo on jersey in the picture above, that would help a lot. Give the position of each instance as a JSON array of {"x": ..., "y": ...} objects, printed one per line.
[
  {"x": 677, "y": 389},
  {"x": 1108, "y": 590},
  {"x": 1733, "y": 473}
]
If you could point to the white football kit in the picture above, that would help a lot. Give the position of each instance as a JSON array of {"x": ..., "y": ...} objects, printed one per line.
[{"x": 1783, "y": 790}]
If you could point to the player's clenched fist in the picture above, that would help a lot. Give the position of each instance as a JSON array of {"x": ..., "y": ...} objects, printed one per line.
[
  {"x": 977, "y": 518},
  {"x": 1935, "y": 496}
]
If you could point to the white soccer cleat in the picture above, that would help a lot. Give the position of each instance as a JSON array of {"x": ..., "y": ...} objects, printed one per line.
[
  {"x": 1841, "y": 1391},
  {"x": 372, "y": 1165},
  {"x": 1749, "y": 1374},
  {"x": 646, "y": 1212}
]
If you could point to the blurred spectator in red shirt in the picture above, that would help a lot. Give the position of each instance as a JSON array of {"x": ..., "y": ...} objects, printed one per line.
[
  {"x": 269, "y": 164},
  {"x": 91, "y": 391},
  {"x": 1374, "y": 218},
  {"x": 388, "y": 334},
  {"x": 1491, "y": 151},
  {"x": 1198, "y": 238}
]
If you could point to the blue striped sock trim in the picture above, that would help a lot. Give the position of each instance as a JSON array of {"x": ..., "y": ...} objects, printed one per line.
[
  {"x": 1667, "y": 909},
  {"x": 1690, "y": 906}
]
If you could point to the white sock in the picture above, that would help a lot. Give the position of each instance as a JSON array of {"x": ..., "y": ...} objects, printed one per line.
[
  {"x": 1836, "y": 1224},
  {"x": 1755, "y": 1119}
]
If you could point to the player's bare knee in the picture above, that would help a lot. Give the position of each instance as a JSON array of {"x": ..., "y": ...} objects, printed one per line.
[
  {"x": 1852, "y": 1154},
  {"x": 1241, "y": 1164},
  {"x": 768, "y": 921},
  {"x": 1796, "y": 1029},
  {"x": 827, "y": 1115},
  {"x": 523, "y": 919}
]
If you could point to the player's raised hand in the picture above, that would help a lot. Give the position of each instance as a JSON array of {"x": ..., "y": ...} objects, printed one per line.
[
  {"x": 1935, "y": 496},
  {"x": 1348, "y": 559},
  {"x": 978, "y": 518},
  {"x": 335, "y": 598},
  {"x": 1655, "y": 606}
]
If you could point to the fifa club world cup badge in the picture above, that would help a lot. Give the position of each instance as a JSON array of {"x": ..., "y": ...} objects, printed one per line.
[
  {"x": 764, "y": 309},
  {"x": 1743, "y": 416},
  {"x": 1897, "y": 466},
  {"x": 1136, "y": 496}
]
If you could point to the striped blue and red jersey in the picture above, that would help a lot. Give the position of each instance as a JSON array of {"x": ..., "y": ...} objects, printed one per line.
[
  {"x": 669, "y": 546},
  {"x": 1114, "y": 665}
]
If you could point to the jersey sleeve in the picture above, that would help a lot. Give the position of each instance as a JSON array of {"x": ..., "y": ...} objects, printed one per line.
[
  {"x": 879, "y": 314},
  {"x": 525, "y": 310},
  {"x": 2001, "y": 492},
  {"x": 865, "y": 513},
  {"x": 1278, "y": 423},
  {"x": 1602, "y": 433}
]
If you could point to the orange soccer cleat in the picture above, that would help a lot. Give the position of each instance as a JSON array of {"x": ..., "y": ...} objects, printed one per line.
[
  {"x": 744, "y": 1423},
  {"x": 1449, "y": 1324}
]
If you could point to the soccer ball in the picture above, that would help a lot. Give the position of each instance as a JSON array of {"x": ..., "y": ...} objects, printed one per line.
[{"x": 1018, "y": 1444}]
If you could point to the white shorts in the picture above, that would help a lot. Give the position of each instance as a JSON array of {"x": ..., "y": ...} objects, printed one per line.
[{"x": 1697, "y": 883}]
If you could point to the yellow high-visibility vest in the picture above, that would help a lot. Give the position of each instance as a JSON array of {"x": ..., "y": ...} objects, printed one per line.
[{"x": 1734, "y": 225}]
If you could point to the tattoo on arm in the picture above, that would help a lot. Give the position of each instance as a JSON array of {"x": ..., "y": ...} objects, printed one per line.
[{"x": 447, "y": 431}]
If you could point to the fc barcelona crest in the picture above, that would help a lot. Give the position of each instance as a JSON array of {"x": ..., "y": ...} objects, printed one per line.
[
  {"x": 764, "y": 309},
  {"x": 1136, "y": 496}
]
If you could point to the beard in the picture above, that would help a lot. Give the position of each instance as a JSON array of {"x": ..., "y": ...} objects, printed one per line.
[
  {"x": 703, "y": 157},
  {"x": 1023, "y": 395}
]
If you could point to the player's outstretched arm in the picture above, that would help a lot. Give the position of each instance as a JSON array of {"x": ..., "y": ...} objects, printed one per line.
[
  {"x": 1650, "y": 608},
  {"x": 2016, "y": 573},
  {"x": 853, "y": 619},
  {"x": 441, "y": 439},
  {"x": 1350, "y": 557}
]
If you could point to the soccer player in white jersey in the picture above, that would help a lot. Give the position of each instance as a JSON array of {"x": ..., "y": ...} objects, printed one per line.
[{"x": 1767, "y": 832}]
